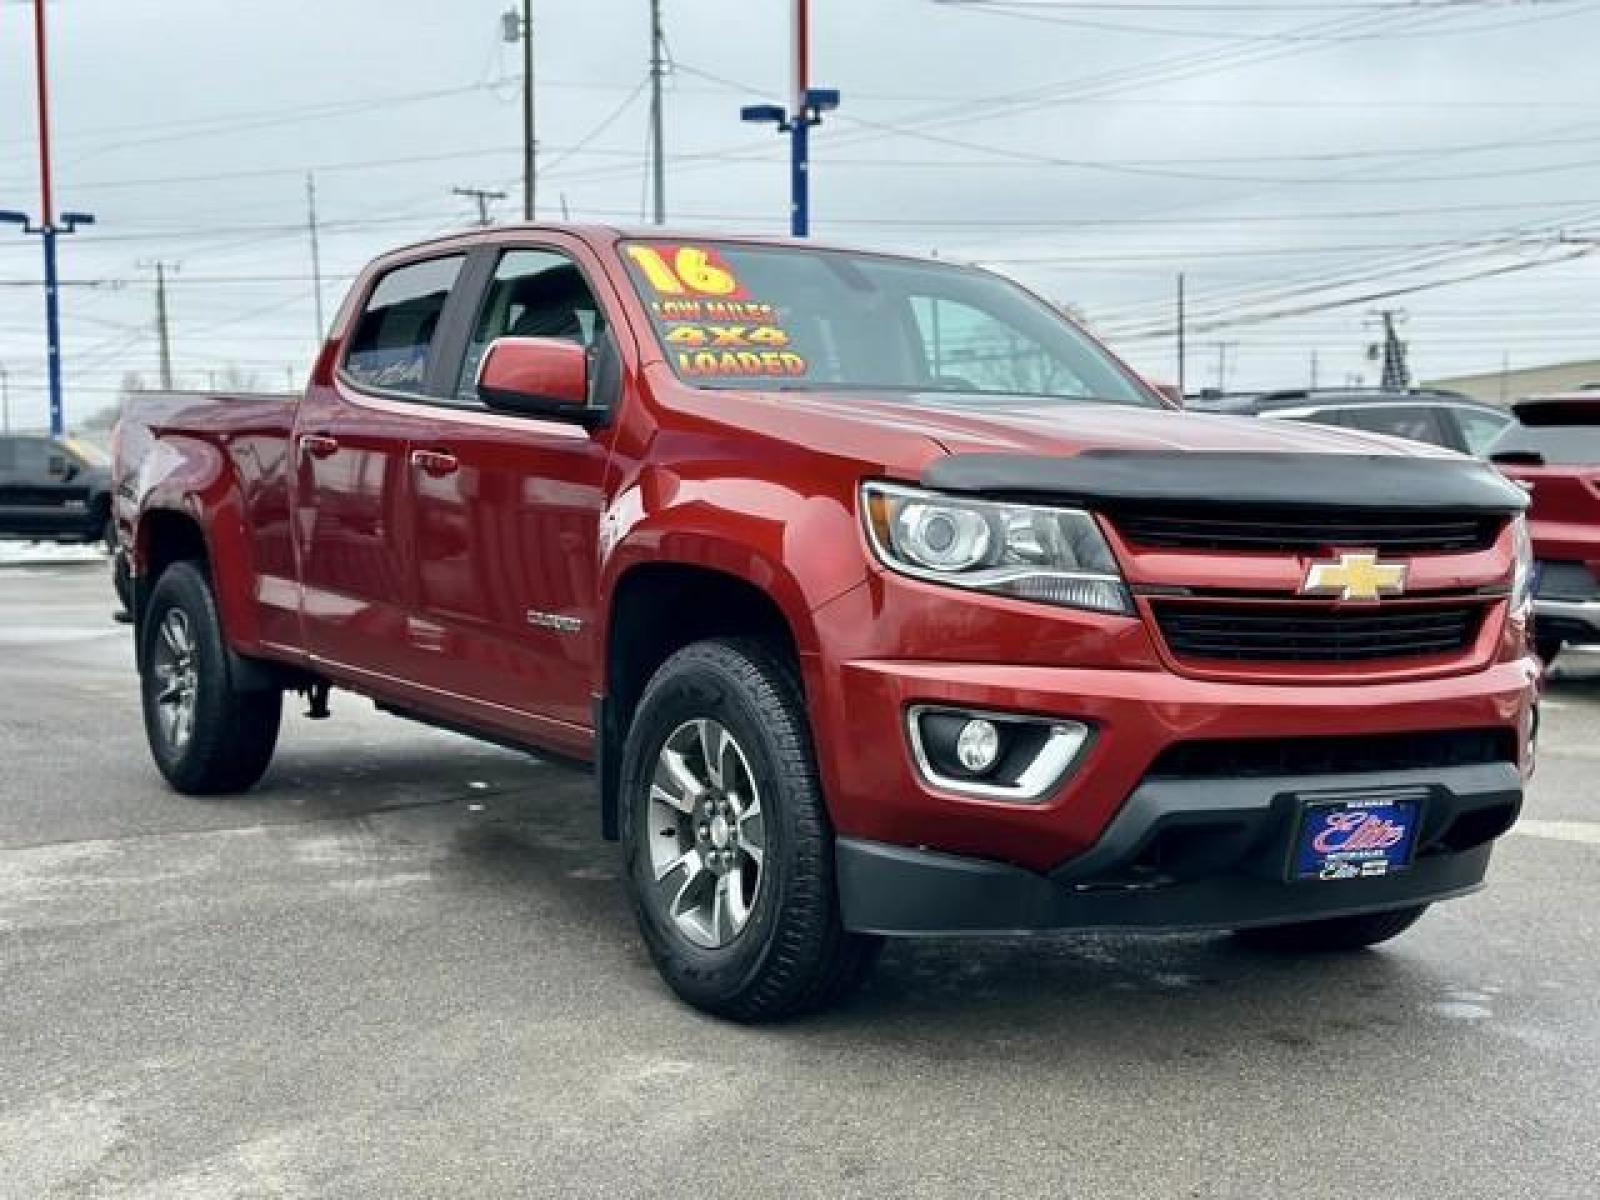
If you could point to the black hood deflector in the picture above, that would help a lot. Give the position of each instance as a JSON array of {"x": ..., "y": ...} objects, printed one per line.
[{"x": 1113, "y": 478}]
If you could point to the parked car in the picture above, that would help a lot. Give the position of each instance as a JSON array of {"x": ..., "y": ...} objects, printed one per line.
[
  {"x": 883, "y": 599},
  {"x": 1553, "y": 450},
  {"x": 54, "y": 489},
  {"x": 1438, "y": 418}
]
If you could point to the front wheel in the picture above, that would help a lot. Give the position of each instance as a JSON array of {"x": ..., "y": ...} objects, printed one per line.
[
  {"x": 1547, "y": 646},
  {"x": 1334, "y": 934},
  {"x": 207, "y": 736},
  {"x": 728, "y": 846}
]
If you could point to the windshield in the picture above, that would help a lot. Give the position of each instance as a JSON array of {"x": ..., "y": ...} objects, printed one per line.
[{"x": 794, "y": 318}]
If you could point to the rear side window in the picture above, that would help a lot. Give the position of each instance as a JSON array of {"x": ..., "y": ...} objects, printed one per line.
[
  {"x": 1555, "y": 445},
  {"x": 30, "y": 456},
  {"x": 394, "y": 338},
  {"x": 1403, "y": 421}
]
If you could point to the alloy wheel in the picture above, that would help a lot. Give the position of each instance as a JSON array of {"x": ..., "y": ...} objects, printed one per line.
[{"x": 707, "y": 835}]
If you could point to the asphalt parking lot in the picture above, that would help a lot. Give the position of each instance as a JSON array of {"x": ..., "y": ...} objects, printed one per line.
[{"x": 403, "y": 967}]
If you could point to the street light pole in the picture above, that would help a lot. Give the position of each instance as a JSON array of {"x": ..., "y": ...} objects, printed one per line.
[
  {"x": 806, "y": 106},
  {"x": 47, "y": 227}
]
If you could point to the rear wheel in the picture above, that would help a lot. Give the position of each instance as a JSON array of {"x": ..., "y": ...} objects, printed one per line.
[
  {"x": 728, "y": 846},
  {"x": 1338, "y": 933},
  {"x": 206, "y": 736}
]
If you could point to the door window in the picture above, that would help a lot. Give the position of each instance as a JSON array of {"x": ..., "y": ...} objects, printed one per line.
[
  {"x": 534, "y": 293},
  {"x": 394, "y": 338}
]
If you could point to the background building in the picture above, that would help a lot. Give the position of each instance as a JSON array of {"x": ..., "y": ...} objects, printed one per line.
[{"x": 1503, "y": 387}]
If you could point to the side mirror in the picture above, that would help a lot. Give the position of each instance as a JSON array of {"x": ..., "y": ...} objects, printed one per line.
[
  {"x": 60, "y": 468},
  {"x": 539, "y": 377}
]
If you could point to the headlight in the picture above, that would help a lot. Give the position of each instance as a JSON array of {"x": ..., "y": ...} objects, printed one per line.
[
  {"x": 1052, "y": 555},
  {"x": 1522, "y": 572}
]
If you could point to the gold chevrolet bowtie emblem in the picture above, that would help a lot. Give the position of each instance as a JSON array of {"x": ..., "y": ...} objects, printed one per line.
[{"x": 1355, "y": 576}]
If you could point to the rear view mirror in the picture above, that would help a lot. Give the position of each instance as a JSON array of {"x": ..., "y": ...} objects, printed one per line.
[{"x": 542, "y": 377}]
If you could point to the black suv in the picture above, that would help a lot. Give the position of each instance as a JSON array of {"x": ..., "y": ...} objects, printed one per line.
[
  {"x": 54, "y": 489},
  {"x": 1439, "y": 418}
]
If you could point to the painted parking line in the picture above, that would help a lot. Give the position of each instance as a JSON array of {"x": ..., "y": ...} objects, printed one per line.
[{"x": 1562, "y": 831}]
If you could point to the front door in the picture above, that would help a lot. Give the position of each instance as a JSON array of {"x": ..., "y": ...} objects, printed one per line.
[{"x": 507, "y": 512}]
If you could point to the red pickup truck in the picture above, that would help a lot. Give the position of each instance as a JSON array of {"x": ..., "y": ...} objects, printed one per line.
[
  {"x": 1552, "y": 450},
  {"x": 883, "y": 599}
]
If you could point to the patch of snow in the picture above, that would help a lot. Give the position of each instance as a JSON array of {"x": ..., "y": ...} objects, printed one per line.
[{"x": 48, "y": 553}]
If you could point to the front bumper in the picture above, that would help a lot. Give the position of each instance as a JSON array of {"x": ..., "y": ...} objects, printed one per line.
[
  {"x": 1187, "y": 854},
  {"x": 876, "y": 793}
]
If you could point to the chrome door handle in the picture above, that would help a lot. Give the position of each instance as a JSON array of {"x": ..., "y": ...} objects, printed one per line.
[
  {"x": 318, "y": 445},
  {"x": 435, "y": 462}
]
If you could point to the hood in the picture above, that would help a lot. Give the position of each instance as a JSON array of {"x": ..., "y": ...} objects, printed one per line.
[{"x": 968, "y": 424}]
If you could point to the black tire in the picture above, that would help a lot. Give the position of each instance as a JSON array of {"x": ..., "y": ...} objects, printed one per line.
[
  {"x": 122, "y": 583},
  {"x": 232, "y": 733},
  {"x": 1547, "y": 646},
  {"x": 792, "y": 955},
  {"x": 1334, "y": 935}
]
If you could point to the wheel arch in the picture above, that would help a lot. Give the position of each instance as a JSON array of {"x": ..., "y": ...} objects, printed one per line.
[
  {"x": 657, "y": 608},
  {"x": 168, "y": 535}
]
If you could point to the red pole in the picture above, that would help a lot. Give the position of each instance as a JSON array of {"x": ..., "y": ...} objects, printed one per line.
[
  {"x": 47, "y": 214},
  {"x": 802, "y": 56}
]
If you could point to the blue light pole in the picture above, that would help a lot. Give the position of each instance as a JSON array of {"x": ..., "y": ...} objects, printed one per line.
[
  {"x": 48, "y": 226},
  {"x": 798, "y": 126},
  {"x": 49, "y": 231},
  {"x": 806, "y": 106}
]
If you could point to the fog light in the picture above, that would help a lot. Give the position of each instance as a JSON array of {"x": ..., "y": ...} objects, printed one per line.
[
  {"x": 995, "y": 756},
  {"x": 978, "y": 746}
]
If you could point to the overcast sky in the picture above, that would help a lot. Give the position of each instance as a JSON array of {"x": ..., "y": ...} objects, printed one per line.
[{"x": 1286, "y": 156}]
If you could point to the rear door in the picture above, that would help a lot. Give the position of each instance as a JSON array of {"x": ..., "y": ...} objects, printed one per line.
[
  {"x": 353, "y": 534},
  {"x": 507, "y": 509}
]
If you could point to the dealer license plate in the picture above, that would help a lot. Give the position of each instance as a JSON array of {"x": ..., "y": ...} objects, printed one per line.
[{"x": 1355, "y": 839}]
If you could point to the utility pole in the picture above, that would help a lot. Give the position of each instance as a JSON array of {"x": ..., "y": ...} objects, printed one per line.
[
  {"x": 47, "y": 227},
  {"x": 163, "y": 330},
  {"x": 806, "y": 106},
  {"x": 1183, "y": 357},
  {"x": 519, "y": 28},
  {"x": 316, "y": 253},
  {"x": 658, "y": 165},
  {"x": 1396, "y": 374},
  {"x": 482, "y": 196},
  {"x": 1222, "y": 364},
  {"x": 1313, "y": 370}
]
